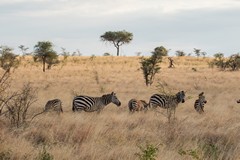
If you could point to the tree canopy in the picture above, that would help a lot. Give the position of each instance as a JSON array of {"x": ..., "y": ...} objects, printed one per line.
[
  {"x": 160, "y": 51},
  {"x": 117, "y": 38},
  {"x": 8, "y": 59}
]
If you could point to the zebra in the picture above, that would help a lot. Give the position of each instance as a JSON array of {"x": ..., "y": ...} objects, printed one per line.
[
  {"x": 199, "y": 103},
  {"x": 55, "y": 105},
  {"x": 137, "y": 105},
  {"x": 52, "y": 105},
  {"x": 167, "y": 101},
  {"x": 91, "y": 104}
]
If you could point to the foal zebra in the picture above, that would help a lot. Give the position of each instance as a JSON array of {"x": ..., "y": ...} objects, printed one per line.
[
  {"x": 137, "y": 105},
  {"x": 54, "y": 105},
  {"x": 199, "y": 103},
  {"x": 91, "y": 104},
  {"x": 167, "y": 101}
]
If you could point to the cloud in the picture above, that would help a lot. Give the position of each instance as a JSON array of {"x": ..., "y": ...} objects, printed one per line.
[
  {"x": 179, "y": 25},
  {"x": 94, "y": 8}
]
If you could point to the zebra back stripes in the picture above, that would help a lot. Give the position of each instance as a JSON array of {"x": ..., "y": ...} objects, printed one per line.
[
  {"x": 137, "y": 105},
  {"x": 166, "y": 101},
  {"x": 91, "y": 104},
  {"x": 55, "y": 105},
  {"x": 199, "y": 103}
]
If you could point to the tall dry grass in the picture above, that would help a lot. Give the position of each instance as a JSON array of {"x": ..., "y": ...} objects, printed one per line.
[{"x": 116, "y": 134}]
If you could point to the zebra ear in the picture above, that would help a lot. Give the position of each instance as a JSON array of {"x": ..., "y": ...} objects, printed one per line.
[
  {"x": 201, "y": 94},
  {"x": 113, "y": 93}
]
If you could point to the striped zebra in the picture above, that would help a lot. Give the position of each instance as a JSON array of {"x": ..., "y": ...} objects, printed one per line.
[
  {"x": 167, "y": 101},
  {"x": 137, "y": 105},
  {"x": 91, "y": 104},
  {"x": 199, "y": 103},
  {"x": 52, "y": 105}
]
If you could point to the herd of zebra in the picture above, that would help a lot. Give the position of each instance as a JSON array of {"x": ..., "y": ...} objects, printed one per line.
[{"x": 91, "y": 104}]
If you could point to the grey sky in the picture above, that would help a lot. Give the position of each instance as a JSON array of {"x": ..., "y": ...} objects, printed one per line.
[{"x": 210, "y": 25}]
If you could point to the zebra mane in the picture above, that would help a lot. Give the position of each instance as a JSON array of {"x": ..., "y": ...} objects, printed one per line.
[
  {"x": 201, "y": 94},
  {"x": 106, "y": 95},
  {"x": 107, "y": 98}
]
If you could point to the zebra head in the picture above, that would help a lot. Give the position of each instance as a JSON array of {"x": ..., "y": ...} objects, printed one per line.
[
  {"x": 181, "y": 96},
  {"x": 202, "y": 98},
  {"x": 113, "y": 98}
]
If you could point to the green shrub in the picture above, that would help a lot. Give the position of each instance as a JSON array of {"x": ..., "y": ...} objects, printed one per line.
[
  {"x": 5, "y": 155},
  {"x": 44, "y": 155},
  {"x": 190, "y": 152},
  {"x": 149, "y": 152},
  {"x": 211, "y": 151}
]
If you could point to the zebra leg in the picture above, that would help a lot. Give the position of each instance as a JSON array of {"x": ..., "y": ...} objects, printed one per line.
[
  {"x": 73, "y": 108},
  {"x": 202, "y": 109},
  {"x": 174, "y": 111},
  {"x": 99, "y": 111},
  {"x": 169, "y": 116}
]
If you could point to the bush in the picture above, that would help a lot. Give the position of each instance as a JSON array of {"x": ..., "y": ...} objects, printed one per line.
[
  {"x": 180, "y": 53},
  {"x": 149, "y": 152},
  {"x": 19, "y": 104},
  {"x": 150, "y": 66},
  {"x": 5, "y": 155},
  {"x": 207, "y": 151},
  {"x": 44, "y": 155},
  {"x": 232, "y": 63},
  {"x": 106, "y": 54},
  {"x": 4, "y": 92}
]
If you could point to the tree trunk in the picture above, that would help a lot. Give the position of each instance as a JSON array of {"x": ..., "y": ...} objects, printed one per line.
[
  {"x": 117, "y": 50},
  {"x": 44, "y": 62}
]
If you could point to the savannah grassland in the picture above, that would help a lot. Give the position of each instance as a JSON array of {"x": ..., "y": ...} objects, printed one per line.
[{"x": 116, "y": 134}]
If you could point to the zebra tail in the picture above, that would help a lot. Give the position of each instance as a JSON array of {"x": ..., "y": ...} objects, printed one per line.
[
  {"x": 37, "y": 114},
  {"x": 73, "y": 108}
]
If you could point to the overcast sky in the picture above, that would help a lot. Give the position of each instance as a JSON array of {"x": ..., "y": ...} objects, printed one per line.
[{"x": 210, "y": 25}]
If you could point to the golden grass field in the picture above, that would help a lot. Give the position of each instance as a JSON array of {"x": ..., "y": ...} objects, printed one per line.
[{"x": 114, "y": 133}]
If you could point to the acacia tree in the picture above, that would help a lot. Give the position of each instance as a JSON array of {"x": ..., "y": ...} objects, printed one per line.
[
  {"x": 234, "y": 62},
  {"x": 180, "y": 53},
  {"x": 161, "y": 51},
  {"x": 117, "y": 38},
  {"x": 8, "y": 59},
  {"x": 197, "y": 52},
  {"x": 44, "y": 52},
  {"x": 23, "y": 49}
]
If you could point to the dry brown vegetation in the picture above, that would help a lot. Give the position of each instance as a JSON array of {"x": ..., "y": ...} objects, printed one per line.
[{"x": 114, "y": 133}]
